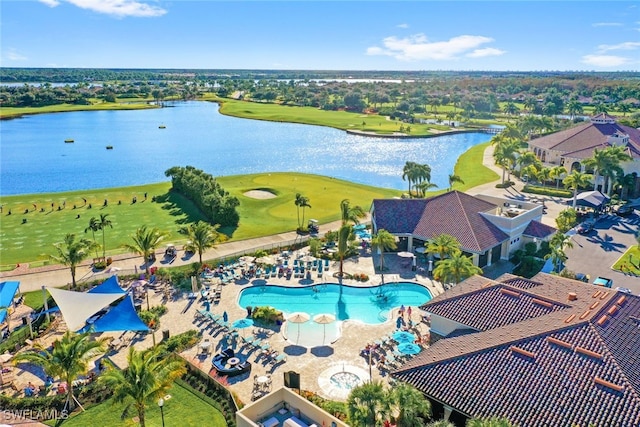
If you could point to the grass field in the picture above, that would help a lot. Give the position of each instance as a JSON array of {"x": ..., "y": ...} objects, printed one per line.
[
  {"x": 32, "y": 241},
  {"x": 8, "y": 112},
  {"x": 314, "y": 116},
  {"x": 629, "y": 263},
  {"x": 184, "y": 408}
]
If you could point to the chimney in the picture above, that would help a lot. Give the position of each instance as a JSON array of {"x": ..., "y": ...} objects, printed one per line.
[{"x": 572, "y": 296}]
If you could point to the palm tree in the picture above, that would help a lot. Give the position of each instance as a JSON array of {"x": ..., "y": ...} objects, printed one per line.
[
  {"x": 556, "y": 173},
  {"x": 443, "y": 245},
  {"x": 202, "y": 236},
  {"x": 576, "y": 180},
  {"x": 505, "y": 152},
  {"x": 145, "y": 242},
  {"x": 72, "y": 252},
  {"x": 453, "y": 178},
  {"x": 409, "y": 405},
  {"x": 94, "y": 226},
  {"x": 67, "y": 359},
  {"x": 383, "y": 240},
  {"x": 422, "y": 175},
  {"x": 424, "y": 186},
  {"x": 301, "y": 202},
  {"x": 558, "y": 243},
  {"x": 455, "y": 269},
  {"x": 350, "y": 215},
  {"x": 409, "y": 173},
  {"x": 104, "y": 223},
  {"x": 606, "y": 163},
  {"x": 147, "y": 377},
  {"x": 489, "y": 422},
  {"x": 367, "y": 405}
]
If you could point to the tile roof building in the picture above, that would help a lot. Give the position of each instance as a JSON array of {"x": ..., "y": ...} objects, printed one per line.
[
  {"x": 488, "y": 228},
  {"x": 570, "y": 147},
  {"x": 546, "y": 351}
]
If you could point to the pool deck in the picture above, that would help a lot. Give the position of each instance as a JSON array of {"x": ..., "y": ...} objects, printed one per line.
[{"x": 312, "y": 364}]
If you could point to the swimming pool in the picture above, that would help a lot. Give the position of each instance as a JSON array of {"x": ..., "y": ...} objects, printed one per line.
[{"x": 370, "y": 305}]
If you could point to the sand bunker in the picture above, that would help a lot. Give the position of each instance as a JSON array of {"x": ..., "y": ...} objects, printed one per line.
[{"x": 260, "y": 194}]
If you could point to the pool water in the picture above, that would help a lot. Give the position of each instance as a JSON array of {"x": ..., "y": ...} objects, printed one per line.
[{"x": 370, "y": 305}]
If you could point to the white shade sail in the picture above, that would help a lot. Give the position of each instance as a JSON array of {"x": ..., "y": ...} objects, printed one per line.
[{"x": 77, "y": 307}]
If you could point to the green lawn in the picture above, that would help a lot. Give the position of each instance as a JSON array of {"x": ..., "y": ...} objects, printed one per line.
[
  {"x": 32, "y": 241},
  {"x": 7, "y": 112},
  {"x": 185, "y": 408},
  {"x": 469, "y": 167},
  {"x": 629, "y": 263},
  {"x": 314, "y": 116}
]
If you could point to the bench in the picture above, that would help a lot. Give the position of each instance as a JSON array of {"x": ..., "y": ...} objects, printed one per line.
[{"x": 294, "y": 422}]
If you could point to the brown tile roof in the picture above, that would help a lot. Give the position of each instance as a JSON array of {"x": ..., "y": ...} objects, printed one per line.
[
  {"x": 538, "y": 229},
  {"x": 454, "y": 213},
  {"x": 556, "y": 369},
  {"x": 581, "y": 140}
]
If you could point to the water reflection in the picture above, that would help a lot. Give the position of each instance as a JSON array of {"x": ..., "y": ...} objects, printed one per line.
[{"x": 35, "y": 159}]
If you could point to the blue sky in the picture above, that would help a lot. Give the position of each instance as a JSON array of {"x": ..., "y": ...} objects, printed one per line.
[{"x": 325, "y": 35}]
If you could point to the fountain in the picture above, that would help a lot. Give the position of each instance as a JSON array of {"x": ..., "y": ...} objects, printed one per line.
[{"x": 337, "y": 381}]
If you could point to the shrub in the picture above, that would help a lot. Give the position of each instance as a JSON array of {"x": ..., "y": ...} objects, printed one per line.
[
  {"x": 506, "y": 184},
  {"x": 267, "y": 315},
  {"x": 547, "y": 191},
  {"x": 181, "y": 342}
]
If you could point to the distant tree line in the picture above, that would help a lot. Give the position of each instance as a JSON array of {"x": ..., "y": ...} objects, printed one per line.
[{"x": 206, "y": 193}]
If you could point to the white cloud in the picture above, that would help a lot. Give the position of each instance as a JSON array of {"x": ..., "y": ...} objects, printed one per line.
[
  {"x": 119, "y": 8},
  {"x": 14, "y": 55},
  {"x": 487, "y": 51},
  {"x": 620, "y": 46},
  {"x": 403, "y": 25},
  {"x": 418, "y": 47},
  {"x": 605, "y": 61},
  {"x": 607, "y": 24},
  {"x": 50, "y": 3}
]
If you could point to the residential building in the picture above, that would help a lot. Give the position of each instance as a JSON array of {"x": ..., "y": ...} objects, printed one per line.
[
  {"x": 546, "y": 351},
  {"x": 488, "y": 228},
  {"x": 571, "y": 147}
]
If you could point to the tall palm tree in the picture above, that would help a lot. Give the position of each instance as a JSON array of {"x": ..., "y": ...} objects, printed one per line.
[
  {"x": 556, "y": 173},
  {"x": 94, "y": 225},
  {"x": 383, "y": 240},
  {"x": 505, "y": 152},
  {"x": 453, "y": 178},
  {"x": 443, "y": 245},
  {"x": 422, "y": 175},
  {"x": 455, "y": 269},
  {"x": 202, "y": 236},
  {"x": 71, "y": 252},
  {"x": 409, "y": 405},
  {"x": 146, "y": 378},
  {"x": 145, "y": 242},
  {"x": 104, "y": 223},
  {"x": 409, "y": 173},
  {"x": 350, "y": 215},
  {"x": 301, "y": 202},
  {"x": 606, "y": 163},
  {"x": 367, "y": 405},
  {"x": 576, "y": 180},
  {"x": 489, "y": 422},
  {"x": 67, "y": 359},
  {"x": 558, "y": 243}
]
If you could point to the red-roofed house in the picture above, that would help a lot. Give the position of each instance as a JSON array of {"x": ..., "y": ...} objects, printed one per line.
[
  {"x": 570, "y": 147},
  {"x": 488, "y": 228},
  {"x": 546, "y": 351}
]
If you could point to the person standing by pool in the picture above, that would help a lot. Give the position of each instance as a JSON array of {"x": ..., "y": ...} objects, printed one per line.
[
  {"x": 409, "y": 312},
  {"x": 401, "y": 311}
]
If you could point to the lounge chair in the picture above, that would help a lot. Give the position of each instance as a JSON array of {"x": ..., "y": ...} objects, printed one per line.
[{"x": 282, "y": 357}]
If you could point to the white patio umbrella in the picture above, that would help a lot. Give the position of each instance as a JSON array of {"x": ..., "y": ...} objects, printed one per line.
[
  {"x": 298, "y": 317},
  {"x": 268, "y": 259},
  {"x": 324, "y": 319},
  {"x": 405, "y": 254}
]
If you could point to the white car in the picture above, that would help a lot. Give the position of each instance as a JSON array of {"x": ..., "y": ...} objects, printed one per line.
[{"x": 625, "y": 290}]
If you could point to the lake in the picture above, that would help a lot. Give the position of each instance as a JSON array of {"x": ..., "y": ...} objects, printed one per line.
[{"x": 34, "y": 157}]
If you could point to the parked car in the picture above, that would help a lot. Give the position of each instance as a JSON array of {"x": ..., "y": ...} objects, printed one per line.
[
  {"x": 586, "y": 227},
  {"x": 624, "y": 210},
  {"x": 582, "y": 277},
  {"x": 625, "y": 290},
  {"x": 603, "y": 281}
]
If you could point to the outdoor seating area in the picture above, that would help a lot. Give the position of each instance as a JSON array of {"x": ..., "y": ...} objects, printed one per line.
[{"x": 285, "y": 265}]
